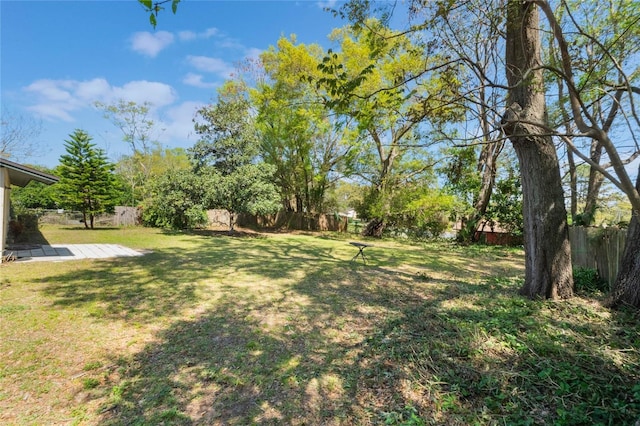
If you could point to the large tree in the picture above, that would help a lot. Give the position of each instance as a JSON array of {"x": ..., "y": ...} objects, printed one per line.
[
  {"x": 548, "y": 270},
  {"x": 381, "y": 79},
  {"x": 616, "y": 85},
  {"x": 308, "y": 145},
  {"x": 602, "y": 44},
  {"x": 226, "y": 155},
  {"x": 86, "y": 178},
  {"x": 138, "y": 132},
  {"x": 475, "y": 33}
]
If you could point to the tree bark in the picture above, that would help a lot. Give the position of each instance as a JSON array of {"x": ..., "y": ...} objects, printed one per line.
[
  {"x": 487, "y": 168},
  {"x": 84, "y": 219},
  {"x": 626, "y": 289},
  {"x": 548, "y": 271},
  {"x": 573, "y": 186},
  {"x": 596, "y": 179}
]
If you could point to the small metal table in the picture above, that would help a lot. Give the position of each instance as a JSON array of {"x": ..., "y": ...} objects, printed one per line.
[{"x": 361, "y": 247}]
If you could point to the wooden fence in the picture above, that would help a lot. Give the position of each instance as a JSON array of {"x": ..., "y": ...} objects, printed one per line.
[
  {"x": 295, "y": 221},
  {"x": 126, "y": 216},
  {"x": 598, "y": 248}
]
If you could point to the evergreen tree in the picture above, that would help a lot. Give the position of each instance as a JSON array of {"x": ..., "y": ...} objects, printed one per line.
[{"x": 86, "y": 178}]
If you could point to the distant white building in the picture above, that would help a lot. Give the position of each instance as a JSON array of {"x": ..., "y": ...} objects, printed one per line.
[{"x": 351, "y": 214}]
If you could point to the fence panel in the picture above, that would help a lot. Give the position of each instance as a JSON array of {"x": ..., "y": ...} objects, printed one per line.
[
  {"x": 295, "y": 221},
  {"x": 598, "y": 248},
  {"x": 126, "y": 216}
]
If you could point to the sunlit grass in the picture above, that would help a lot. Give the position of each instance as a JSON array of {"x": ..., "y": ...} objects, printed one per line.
[{"x": 285, "y": 329}]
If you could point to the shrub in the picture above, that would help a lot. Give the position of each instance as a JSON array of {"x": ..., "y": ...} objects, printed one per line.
[{"x": 587, "y": 280}]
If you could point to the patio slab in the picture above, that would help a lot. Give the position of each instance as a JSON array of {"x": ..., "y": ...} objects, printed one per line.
[{"x": 62, "y": 252}]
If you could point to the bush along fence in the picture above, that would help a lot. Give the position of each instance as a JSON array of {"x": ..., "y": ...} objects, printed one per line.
[
  {"x": 295, "y": 221},
  {"x": 598, "y": 248}
]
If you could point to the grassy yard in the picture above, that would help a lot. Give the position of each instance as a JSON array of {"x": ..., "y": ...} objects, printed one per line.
[{"x": 209, "y": 329}]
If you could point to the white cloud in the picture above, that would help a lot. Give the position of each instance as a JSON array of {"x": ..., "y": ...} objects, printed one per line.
[
  {"x": 187, "y": 35},
  {"x": 212, "y": 65},
  {"x": 253, "y": 53},
  {"x": 331, "y": 4},
  {"x": 150, "y": 44},
  {"x": 229, "y": 43},
  {"x": 209, "y": 32},
  {"x": 195, "y": 80},
  {"x": 58, "y": 99},
  {"x": 158, "y": 94},
  {"x": 51, "y": 89},
  {"x": 97, "y": 88},
  {"x": 51, "y": 111},
  {"x": 192, "y": 35},
  {"x": 178, "y": 124}
]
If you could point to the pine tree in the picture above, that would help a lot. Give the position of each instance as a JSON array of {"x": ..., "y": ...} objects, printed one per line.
[{"x": 86, "y": 178}]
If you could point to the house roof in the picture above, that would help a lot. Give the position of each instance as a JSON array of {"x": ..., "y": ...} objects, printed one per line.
[{"x": 21, "y": 175}]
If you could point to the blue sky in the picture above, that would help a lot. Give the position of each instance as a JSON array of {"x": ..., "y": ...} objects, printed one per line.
[{"x": 59, "y": 57}]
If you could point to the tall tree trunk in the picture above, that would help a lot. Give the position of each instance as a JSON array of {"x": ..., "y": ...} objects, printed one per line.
[
  {"x": 573, "y": 185},
  {"x": 487, "y": 168},
  {"x": 232, "y": 221},
  {"x": 548, "y": 271},
  {"x": 626, "y": 289},
  {"x": 595, "y": 183}
]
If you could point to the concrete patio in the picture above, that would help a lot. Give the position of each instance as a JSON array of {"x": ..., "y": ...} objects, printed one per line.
[{"x": 62, "y": 252}]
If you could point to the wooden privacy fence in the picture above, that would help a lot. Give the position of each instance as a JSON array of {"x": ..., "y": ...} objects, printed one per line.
[
  {"x": 598, "y": 248},
  {"x": 126, "y": 216},
  {"x": 295, "y": 221}
]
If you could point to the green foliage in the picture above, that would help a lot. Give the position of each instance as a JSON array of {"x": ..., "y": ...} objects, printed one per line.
[
  {"x": 248, "y": 189},
  {"x": 153, "y": 8},
  {"x": 86, "y": 178},
  {"x": 135, "y": 172},
  {"x": 35, "y": 195},
  {"x": 382, "y": 80},
  {"x": 228, "y": 137},
  {"x": 303, "y": 140},
  {"x": 505, "y": 207},
  {"x": 463, "y": 180},
  {"x": 90, "y": 383},
  {"x": 460, "y": 170},
  {"x": 587, "y": 281},
  {"x": 226, "y": 158},
  {"x": 137, "y": 128},
  {"x": 416, "y": 210},
  {"x": 176, "y": 201}
]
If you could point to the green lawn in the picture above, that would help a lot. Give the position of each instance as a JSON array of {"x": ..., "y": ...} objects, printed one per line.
[{"x": 283, "y": 329}]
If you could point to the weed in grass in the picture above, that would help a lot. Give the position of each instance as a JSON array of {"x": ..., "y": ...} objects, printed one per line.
[
  {"x": 172, "y": 415},
  {"x": 12, "y": 309},
  {"x": 407, "y": 417},
  {"x": 90, "y": 383},
  {"x": 92, "y": 366},
  {"x": 80, "y": 415}
]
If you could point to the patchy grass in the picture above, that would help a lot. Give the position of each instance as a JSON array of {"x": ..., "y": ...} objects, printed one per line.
[{"x": 284, "y": 329}]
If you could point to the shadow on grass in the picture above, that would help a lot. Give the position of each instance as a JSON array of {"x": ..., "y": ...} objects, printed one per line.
[
  {"x": 370, "y": 347},
  {"x": 485, "y": 355},
  {"x": 333, "y": 342},
  {"x": 162, "y": 283},
  {"x": 288, "y": 360}
]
